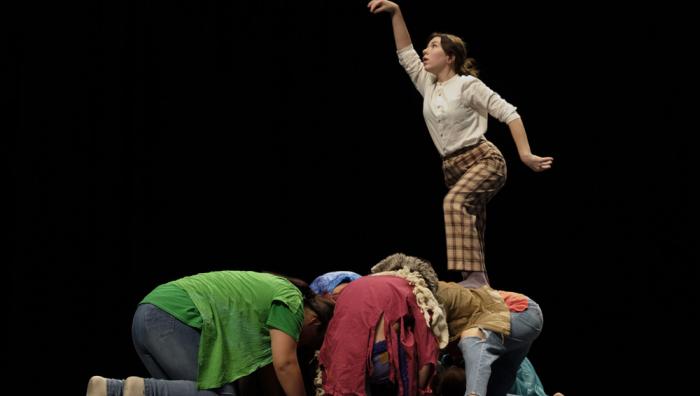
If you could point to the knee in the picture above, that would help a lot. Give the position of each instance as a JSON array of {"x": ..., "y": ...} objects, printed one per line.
[
  {"x": 453, "y": 202},
  {"x": 473, "y": 332}
]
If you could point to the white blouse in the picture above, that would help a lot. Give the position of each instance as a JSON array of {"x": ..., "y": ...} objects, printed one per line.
[{"x": 455, "y": 111}]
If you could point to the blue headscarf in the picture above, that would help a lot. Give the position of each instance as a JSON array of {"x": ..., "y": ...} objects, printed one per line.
[{"x": 327, "y": 282}]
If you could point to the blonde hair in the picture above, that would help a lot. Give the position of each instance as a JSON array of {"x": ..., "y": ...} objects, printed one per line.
[{"x": 432, "y": 311}]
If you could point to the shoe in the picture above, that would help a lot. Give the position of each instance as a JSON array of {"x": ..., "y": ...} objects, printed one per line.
[
  {"x": 97, "y": 386},
  {"x": 134, "y": 386}
]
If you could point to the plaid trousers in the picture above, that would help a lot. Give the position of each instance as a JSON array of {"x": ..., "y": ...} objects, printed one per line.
[{"x": 473, "y": 175}]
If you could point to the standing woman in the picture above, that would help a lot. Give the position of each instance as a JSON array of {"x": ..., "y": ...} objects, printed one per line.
[
  {"x": 456, "y": 106},
  {"x": 198, "y": 334}
]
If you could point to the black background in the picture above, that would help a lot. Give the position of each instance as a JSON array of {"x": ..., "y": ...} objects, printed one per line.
[{"x": 156, "y": 140}]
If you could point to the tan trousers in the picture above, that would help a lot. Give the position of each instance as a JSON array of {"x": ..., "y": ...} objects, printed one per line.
[{"x": 474, "y": 176}]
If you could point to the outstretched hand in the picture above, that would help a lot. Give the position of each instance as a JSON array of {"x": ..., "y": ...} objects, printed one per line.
[
  {"x": 377, "y": 6},
  {"x": 537, "y": 164}
]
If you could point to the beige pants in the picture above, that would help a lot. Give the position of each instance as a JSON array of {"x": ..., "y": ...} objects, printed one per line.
[{"x": 473, "y": 176}]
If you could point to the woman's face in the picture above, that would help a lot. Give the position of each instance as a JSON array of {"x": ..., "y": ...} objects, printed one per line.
[{"x": 434, "y": 57}]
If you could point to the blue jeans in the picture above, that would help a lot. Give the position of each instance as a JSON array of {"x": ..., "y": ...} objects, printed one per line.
[
  {"x": 491, "y": 363},
  {"x": 168, "y": 348}
]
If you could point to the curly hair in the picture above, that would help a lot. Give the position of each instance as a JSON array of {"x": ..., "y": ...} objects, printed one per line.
[
  {"x": 416, "y": 272},
  {"x": 399, "y": 260}
]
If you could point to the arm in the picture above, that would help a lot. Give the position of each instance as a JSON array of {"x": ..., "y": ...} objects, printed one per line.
[
  {"x": 424, "y": 375},
  {"x": 408, "y": 57},
  {"x": 427, "y": 348},
  {"x": 284, "y": 360},
  {"x": 480, "y": 97},
  {"x": 401, "y": 36},
  {"x": 537, "y": 164}
]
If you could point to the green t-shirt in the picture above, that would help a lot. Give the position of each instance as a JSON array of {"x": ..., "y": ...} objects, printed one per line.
[
  {"x": 235, "y": 311},
  {"x": 175, "y": 301}
]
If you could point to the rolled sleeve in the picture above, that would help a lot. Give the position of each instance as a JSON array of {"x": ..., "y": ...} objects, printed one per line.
[
  {"x": 411, "y": 62},
  {"x": 477, "y": 95},
  {"x": 282, "y": 318}
]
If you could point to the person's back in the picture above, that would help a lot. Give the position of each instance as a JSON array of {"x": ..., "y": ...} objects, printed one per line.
[
  {"x": 467, "y": 308},
  {"x": 366, "y": 305},
  {"x": 233, "y": 305},
  {"x": 199, "y": 334}
]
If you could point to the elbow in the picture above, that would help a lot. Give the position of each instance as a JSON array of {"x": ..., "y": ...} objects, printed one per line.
[
  {"x": 511, "y": 117},
  {"x": 285, "y": 365}
]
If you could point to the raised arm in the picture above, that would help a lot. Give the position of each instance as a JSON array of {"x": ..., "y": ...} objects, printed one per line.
[
  {"x": 284, "y": 360},
  {"x": 401, "y": 36},
  {"x": 408, "y": 57}
]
